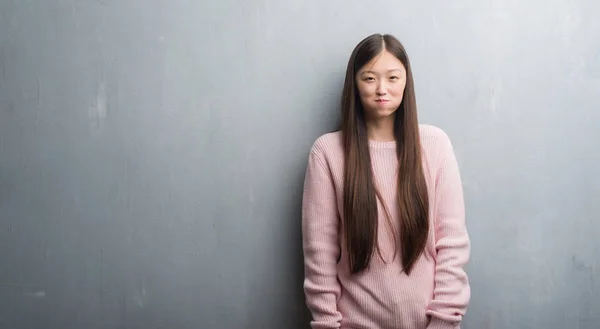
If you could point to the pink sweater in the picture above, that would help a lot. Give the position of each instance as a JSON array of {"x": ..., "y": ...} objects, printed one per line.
[{"x": 436, "y": 293}]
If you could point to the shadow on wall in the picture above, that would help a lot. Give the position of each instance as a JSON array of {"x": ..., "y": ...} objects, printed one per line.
[
  {"x": 299, "y": 308},
  {"x": 275, "y": 287},
  {"x": 279, "y": 266}
]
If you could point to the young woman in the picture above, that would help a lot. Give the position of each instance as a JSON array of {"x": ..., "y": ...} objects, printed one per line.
[{"x": 383, "y": 217}]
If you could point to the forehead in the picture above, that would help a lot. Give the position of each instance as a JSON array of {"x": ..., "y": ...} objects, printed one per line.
[{"x": 383, "y": 62}]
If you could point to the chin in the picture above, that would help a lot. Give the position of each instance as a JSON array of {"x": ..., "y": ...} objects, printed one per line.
[
  {"x": 379, "y": 114},
  {"x": 385, "y": 110}
]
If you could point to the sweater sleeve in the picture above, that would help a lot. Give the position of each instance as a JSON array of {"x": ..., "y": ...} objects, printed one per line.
[
  {"x": 452, "y": 291},
  {"x": 320, "y": 244}
]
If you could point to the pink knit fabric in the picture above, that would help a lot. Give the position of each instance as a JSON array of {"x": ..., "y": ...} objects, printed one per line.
[{"x": 437, "y": 292}]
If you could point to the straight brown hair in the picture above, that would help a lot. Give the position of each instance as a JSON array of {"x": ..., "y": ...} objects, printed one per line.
[{"x": 360, "y": 193}]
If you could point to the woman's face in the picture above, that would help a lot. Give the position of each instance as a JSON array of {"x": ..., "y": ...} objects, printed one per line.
[{"x": 380, "y": 85}]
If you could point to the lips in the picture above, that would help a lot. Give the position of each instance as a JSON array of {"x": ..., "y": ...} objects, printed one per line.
[{"x": 382, "y": 100}]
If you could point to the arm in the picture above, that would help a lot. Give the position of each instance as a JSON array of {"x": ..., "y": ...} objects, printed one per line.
[
  {"x": 452, "y": 291},
  {"x": 320, "y": 244}
]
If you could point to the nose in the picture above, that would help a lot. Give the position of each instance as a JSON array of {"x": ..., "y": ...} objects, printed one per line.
[{"x": 381, "y": 90}]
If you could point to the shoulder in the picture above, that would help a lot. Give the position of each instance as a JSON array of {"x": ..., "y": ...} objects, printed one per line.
[
  {"x": 435, "y": 143},
  {"x": 328, "y": 145},
  {"x": 327, "y": 154},
  {"x": 434, "y": 138},
  {"x": 433, "y": 134}
]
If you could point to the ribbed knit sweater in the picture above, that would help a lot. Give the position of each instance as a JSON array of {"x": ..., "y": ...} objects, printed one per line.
[{"x": 436, "y": 293}]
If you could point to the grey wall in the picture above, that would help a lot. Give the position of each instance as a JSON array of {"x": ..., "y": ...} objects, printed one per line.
[{"x": 152, "y": 154}]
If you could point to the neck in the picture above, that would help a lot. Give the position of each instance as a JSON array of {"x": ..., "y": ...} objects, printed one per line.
[{"x": 381, "y": 130}]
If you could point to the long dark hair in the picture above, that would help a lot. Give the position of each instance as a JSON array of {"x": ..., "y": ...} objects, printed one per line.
[{"x": 360, "y": 193}]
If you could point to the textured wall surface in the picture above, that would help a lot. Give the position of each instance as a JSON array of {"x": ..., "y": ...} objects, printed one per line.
[{"x": 152, "y": 154}]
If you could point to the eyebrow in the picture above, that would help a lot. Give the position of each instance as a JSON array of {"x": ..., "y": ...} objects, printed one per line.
[{"x": 392, "y": 70}]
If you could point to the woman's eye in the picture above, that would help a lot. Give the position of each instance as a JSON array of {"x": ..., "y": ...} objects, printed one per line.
[{"x": 394, "y": 78}]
